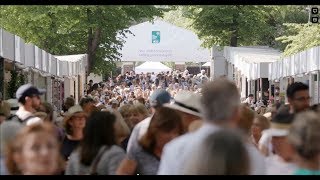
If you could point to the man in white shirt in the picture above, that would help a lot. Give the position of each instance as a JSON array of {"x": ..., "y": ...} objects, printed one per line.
[
  {"x": 29, "y": 98},
  {"x": 220, "y": 109}
]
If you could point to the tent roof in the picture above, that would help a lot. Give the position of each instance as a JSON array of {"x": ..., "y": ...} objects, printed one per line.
[
  {"x": 161, "y": 41},
  {"x": 207, "y": 64},
  {"x": 155, "y": 67},
  {"x": 71, "y": 58}
]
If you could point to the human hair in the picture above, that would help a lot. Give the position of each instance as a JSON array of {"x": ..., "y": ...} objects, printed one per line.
[
  {"x": 99, "y": 131},
  {"x": 220, "y": 99},
  {"x": 122, "y": 129},
  {"x": 250, "y": 95},
  {"x": 222, "y": 152},
  {"x": 139, "y": 108},
  {"x": 295, "y": 87},
  {"x": 163, "y": 120},
  {"x": 85, "y": 101},
  {"x": 246, "y": 119},
  {"x": 304, "y": 134},
  {"x": 22, "y": 100},
  {"x": 47, "y": 108},
  {"x": 263, "y": 122},
  {"x": 15, "y": 146},
  {"x": 124, "y": 109}
]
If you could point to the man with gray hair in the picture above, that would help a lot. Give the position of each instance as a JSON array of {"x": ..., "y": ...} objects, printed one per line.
[{"x": 220, "y": 109}]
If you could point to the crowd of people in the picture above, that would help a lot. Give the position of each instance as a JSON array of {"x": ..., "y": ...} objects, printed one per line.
[{"x": 172, "y": 123}]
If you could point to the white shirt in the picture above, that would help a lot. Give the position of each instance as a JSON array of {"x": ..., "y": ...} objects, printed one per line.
[
  {"x": 138, "y": 131},
  {"x": 23, "y": 114},
  {"x": 277, "y": 166},
  {"x": 177, "y": 151}
]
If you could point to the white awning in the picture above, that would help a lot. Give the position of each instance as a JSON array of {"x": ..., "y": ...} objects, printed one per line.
[{"x": 149, "y": 67}]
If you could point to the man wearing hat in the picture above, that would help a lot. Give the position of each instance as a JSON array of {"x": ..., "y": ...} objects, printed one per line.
[
  {"x": 281, "y": 162},
  {"x": 29, "y": 98},
  {"x": 188, "y": 105}
]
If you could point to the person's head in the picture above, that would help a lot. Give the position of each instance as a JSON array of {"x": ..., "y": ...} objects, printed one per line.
[
  {"x": 99, "y": 131},
  {"x": 222, "y": 152},
  {"x": 250, "y": 96},
  {"x": 125, "y": 113},
  {"x": 220, "y": 102},
  {"x": 88, "y": 105},
  {"x": 246, "y": 119},
  {"x": 138, "y": 112},
  {"x": 165, "y": 125},
  {"x": 35, "y": 151},
  {"x": 260, "y": 123},
  {"x": 159, "y": 97},
  {"x": 48, "y": 109},
  {"x": 69, "y": 102},
  {"x": 279, "y": 130},
  {"x": 298, "y": 96},
  {"x": 29, "y": 96},
  {"x": 122, "y": 130},
  {"x": 75, "y": 120},
  {"x": 188, "y": 105},
  {"x": 304, "y": 135}
]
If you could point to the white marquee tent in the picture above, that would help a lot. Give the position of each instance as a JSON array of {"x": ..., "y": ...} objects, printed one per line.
[
  {"x": 155, "y": 67},
  {"x": 161, "y": 41}
]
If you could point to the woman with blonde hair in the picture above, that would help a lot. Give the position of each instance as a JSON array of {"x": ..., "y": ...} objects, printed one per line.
[
  {"x": 137, "y": 113},
  {"x": 35, "y": 151}
]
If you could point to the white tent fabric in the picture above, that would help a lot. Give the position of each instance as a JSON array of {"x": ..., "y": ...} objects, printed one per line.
[
  {"x": 155, "y": 67},
  {"x": 252, "y": 62},
  {"x": 207, "y": 64},
  {"x": 160, "y": 42}
]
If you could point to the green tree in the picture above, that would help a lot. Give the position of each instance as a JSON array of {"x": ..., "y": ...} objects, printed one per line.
[
  {"x": 98, "y": 31},
  {"x": 234, "y": 25},
  {"x": 301, "y": 37}
]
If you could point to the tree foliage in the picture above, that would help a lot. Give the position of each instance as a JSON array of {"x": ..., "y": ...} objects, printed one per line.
[
  {"x": 98, "y": 31},
  {"x": 302, "y": 37},
  {"x": 237, "y": 25}
]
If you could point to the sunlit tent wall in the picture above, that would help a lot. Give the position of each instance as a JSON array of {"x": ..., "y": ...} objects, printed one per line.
[
  {"x": 160, "y": 41},
  {"x": 40, "y": 68},
  {"x": 303, "y": 66},
  {"x": 72, "y": 68},
  {"x": 249, "y": 67}
]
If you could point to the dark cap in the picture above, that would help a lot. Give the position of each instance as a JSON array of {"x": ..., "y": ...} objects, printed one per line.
[
  {"x": 28, "y": 90},
  {"x": 159, "y": 97}
]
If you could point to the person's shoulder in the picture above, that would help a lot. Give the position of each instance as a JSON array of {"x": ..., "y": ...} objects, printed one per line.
[
  {"x": 179, "y": 141},
  {"x": 33, "y": 120}
]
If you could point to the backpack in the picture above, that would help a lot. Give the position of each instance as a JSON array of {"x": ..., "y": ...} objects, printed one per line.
[{"x": 15, "y": 118}]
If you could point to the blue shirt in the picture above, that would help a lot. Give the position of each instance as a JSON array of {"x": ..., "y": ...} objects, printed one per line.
[{"x": 302, "y": 171}]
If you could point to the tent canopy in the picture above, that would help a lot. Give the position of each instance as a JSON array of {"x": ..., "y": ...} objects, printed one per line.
[
  {"x": 149, "y": 67},
  {"x": 160, "y": 42}
]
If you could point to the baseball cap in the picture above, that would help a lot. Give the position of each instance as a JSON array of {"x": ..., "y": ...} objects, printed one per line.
[
  {"x": 159, "y": 97},
  {"x": 28, "y": 90}
]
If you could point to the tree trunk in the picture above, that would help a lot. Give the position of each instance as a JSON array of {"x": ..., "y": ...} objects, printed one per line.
[
  {"x": 234, "y": 30},
  {"x": 93, "y": 43}
]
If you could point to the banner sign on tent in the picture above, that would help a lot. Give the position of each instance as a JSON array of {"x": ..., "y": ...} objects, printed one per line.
[{"x": 155, "y": 37}]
